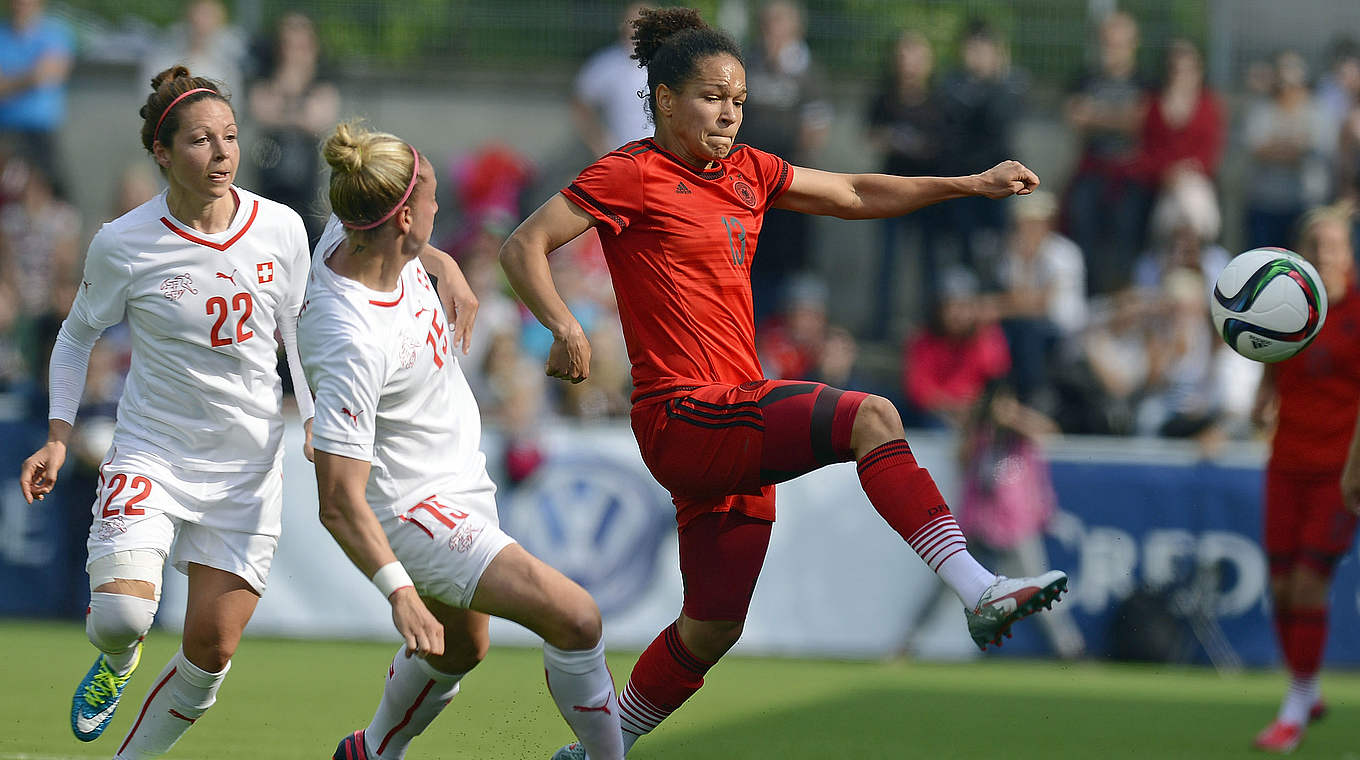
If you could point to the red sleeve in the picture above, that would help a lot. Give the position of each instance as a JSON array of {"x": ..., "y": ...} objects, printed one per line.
[
  {"x": 774, "y": 172},
  {"x": 609, "y": 190}
]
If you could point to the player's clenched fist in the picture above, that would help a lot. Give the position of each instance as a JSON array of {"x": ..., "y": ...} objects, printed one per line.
[
  {"x": 1006, "y": 179},
  {"x": 424, "y": 635}
]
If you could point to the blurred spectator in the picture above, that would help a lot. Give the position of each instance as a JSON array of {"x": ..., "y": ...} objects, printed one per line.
[
  {"x": 1106, "y": 110},
  {"x": 1287, "y": 140},
  {"x": 39, "y": 256},
  {"x": 14, "y": 372},
  {"x": 1110, "y": 377},
  {"x": 799, "y": 343},
  {"x": 293, "y": 104},
  {"x": 607, "y": 106},
  {"x": 136, "y": 184},
  {"x": 1184, "y": 128},
  {"x": 36, "y": 54},
  {"x": 983, "y": 100},
  {"x": 1338, "y": 91},
  {"x": 785, "y": 113},
  {"x": 1008, "y": 497},
  {"x": 1184, "y": 227},
  {"x": 1042, "y": 303},
  {"x": 1185, "y": 396},
  {"x": 907, "y": 125},
  {"x": 204, "y": 42},
  {"x": 947, "y": 364}
]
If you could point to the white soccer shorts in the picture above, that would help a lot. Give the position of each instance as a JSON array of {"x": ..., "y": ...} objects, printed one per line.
[
  {"x": 446, "y": 543},
  {"x": 225, "y": 520}
]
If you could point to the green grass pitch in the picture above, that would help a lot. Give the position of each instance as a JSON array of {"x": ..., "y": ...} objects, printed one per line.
[{"x": 290, "y": 700}]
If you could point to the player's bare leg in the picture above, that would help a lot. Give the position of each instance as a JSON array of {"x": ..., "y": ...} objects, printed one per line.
[
  {"x": 219, "y": 606},
  {"x": 518, "y": 586},
  {"x": 907, "y": 498},
  {"x": 418, "y": 688}
]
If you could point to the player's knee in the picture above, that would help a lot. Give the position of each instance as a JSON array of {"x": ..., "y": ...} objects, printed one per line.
[
  {"x": 710, "y": 639},
  {"x": 876, "y": 423},
  {"x": 117, "y": 621},
  {"x": 579, "y": 625},
  {"x": 209, "y": 650}
]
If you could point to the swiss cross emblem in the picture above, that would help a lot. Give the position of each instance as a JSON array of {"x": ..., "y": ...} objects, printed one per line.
[{"x": 264, "y": 271}]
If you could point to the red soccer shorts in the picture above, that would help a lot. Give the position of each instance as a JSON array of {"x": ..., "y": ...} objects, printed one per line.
[
  {"x": 722, "y": 447},
  {"x": 721, "y": 554},
  {"x": 1306, "y": 521}
]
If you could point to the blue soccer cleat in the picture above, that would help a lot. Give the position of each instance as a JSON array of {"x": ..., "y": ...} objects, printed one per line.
[
  {"x": 351, "y": 747},
  {"x": 97, "y": 697}
]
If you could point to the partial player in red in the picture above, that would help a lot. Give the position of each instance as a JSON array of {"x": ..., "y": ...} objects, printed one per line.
[
  {"x": 679, "y": 216},
  {"x": 206, "y": 274},
  {"x": 1312, "y": 398}
]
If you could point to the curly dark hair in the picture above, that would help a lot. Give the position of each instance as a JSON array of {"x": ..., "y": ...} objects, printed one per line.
[{"x": 670, "y": 42}]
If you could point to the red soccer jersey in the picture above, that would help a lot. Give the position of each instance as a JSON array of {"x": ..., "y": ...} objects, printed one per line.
[
  {"x": 1319, "y": 395},
  {"x": 679, "y": 243}
]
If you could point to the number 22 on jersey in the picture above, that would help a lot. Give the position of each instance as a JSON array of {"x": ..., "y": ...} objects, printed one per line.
[{"x": 242, "y": 306}]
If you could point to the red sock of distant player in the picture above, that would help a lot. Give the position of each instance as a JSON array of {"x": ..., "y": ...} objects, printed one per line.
[
  {"x": 664, "y": 677},
  {"x": 1303, "y": 646},
  {"x": 906, "y": 496}
]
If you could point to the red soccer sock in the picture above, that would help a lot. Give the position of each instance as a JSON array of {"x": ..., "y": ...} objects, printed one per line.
[
  {"x": 664, "y": 677},
  {"x": 1307, "y": 638},
  {"x": 908, "y": 499}
]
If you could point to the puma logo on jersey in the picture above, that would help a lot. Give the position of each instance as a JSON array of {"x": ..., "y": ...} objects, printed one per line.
[
  {"x": 423, "y": 309},
  {"x": 353, "y": 416},
  {"x": 175, "y": 287},
  {"x": 86, "y": 283},
  {"x": 231, "y": 276}
]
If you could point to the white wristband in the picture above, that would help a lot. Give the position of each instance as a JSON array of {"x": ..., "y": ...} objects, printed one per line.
[{"x": 391, "y": 577}]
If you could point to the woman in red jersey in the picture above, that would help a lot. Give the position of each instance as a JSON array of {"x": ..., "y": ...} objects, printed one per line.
[
  {"x": 679, "y": 216},
  {"x": 1314, "y": 397}
]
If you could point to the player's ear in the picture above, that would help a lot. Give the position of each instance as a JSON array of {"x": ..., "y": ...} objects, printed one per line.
[
  {"x": 665, "y": 99},
  {"x": 405, "y": 219},
  {"x": 161, "y": 153}
]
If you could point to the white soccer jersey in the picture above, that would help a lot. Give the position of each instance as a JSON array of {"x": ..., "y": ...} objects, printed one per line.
[
  {"x": 388, "y": 389},
  {"x": 203, "y": 391}
]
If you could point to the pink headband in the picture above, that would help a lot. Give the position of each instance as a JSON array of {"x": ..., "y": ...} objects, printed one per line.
[
  {"x": 415, "y": 173},
  {"x": 157, "y": 134}
]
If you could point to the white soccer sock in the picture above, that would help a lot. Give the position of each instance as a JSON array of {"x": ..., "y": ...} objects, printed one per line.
[
  {"x": 966, "y": 577},
  {"x": 115, "y": 623},
  {"x": 413, "y": 696},
  {"x": 1302, "y": 695},
  {"x": 583, "y": 688},
  {"x": 181, "y": 694}
]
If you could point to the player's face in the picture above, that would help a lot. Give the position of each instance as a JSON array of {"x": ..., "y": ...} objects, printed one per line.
[
  {"x": 1333, "y": 257},
  {"x": 705, "y": 113},
  {"x": 202, "y": 156}
]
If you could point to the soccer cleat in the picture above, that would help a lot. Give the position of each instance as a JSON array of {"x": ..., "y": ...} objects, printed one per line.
[
  {"x": 1279, "y": 737},
  {"x": 1009, "y": 599},
  {"x": 97, "y": 697},
  {"x": 573, "y": 751},
  {"x": 351, "y": 747}
]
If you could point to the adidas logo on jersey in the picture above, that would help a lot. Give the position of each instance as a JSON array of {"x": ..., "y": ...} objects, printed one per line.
[{"x": 680, "y": 189}]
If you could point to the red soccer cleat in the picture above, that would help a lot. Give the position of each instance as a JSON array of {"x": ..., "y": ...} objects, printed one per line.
[{"x": 1279, "y": 737}]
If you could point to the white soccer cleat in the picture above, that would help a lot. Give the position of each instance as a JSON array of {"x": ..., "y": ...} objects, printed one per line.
[
  {"x": 1009, "y": 599},
  {"x": 573, "y": 751}
]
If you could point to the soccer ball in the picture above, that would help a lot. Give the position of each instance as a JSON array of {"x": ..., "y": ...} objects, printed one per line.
[{"x": 1268, "y": 304}]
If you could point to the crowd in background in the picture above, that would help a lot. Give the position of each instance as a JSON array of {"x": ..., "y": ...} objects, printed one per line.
[{"x": 1087, "y": 300}]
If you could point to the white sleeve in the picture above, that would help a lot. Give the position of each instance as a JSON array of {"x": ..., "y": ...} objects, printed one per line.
[
  {"x": 100, "y": 302},
  {"x": 69, "y": 364},
  {"x": 287, "y": 320},
  {"x": 347, "y": 377}
]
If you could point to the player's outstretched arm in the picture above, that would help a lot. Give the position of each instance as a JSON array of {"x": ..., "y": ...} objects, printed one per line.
[
  {"x": 878, "y": 196},
  {"x": 524, "y": 257},
  {"x": 38, "y": 474},
  {"x": 346, "y": 514},
  {"x": 1350, "y": 474},
  {"x": 460, "y": 303}
]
